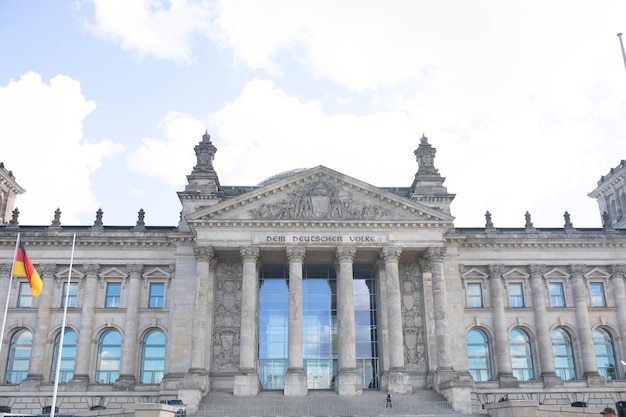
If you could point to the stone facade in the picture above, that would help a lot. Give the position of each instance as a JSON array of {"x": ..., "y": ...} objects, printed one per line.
[{"x": 412, "y": 302}]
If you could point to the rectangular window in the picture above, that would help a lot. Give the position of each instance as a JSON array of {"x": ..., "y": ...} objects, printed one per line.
[
  {"x": 597, "y": 294},
  {"x": 157, "y": 295},
  {"x": 114, "y": 290},
  {"x": 474, "y": 295},
  {"x": 25, "y": 297},
  {"x": 73, "y": 295},
  {"x": 557, "y": 296},
  {"x": 516, "y": 295}
]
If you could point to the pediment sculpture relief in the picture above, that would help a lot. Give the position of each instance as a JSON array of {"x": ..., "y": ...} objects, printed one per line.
[{"x": 319, "y": 200}]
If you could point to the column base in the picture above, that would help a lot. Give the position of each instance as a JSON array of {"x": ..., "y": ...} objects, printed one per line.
[
  {"x": 124, "y": 383},
  {"x": 31, "y": 382},
  {"x": 78, "y": 383},
  {"x": 191, "y": 398},
  {"x": 399, "y": 382},
  {"x": 349, "y": 383},
  {"x": 508, "y": 381},
  {"x": 443, "y": 375},
  {"x": 246, "y": 384},
  {"x": 195, "y": 380},
  {"x": 551, "y": 380},
  {"x": 295, "y": 383},
  {"x": 594, "y": 379}
]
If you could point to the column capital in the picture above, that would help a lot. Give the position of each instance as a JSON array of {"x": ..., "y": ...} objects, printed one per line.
[
  {"x": 617, "y": 270},
  {"x": 536, "y": 270},
  {"x": 346, "y": 253},
  {"x": 391, "y": 253},
  {"x": 203, "y": 253},
  {"x": 250, "y": 253},
  {"x": 47, "y": 269},
  {"x": 92, "y": 269},
  {"x": 436, "y": 254},
  {"x": 576, "y": 269},
  {"x": 134, "y": 270},
  {"x": 295, "y": 253},
  {"x": 495, "y": 270}
]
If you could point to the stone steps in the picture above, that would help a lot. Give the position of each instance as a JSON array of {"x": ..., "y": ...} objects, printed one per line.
[{"x": 323, "y": 403}]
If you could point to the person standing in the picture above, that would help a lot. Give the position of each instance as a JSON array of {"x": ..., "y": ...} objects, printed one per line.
[
  {"x": 388, "y": 401},
  {"x": 608, "y": 412}
]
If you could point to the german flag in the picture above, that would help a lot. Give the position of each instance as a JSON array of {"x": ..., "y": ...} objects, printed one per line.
[{"x": 24, "y": 268}]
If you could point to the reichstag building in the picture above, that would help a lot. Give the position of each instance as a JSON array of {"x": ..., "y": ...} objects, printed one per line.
[{"x": 314, "y": 280}]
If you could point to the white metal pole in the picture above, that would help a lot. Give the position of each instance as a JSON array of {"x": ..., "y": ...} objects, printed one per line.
[
  {"x": 6, "y": 305},
  {"x": 619, "y": 35},
  {"x": 62, "y": 337}
]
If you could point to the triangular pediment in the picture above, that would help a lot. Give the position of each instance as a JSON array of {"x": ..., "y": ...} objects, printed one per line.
[{"x": 320, "y": 194}]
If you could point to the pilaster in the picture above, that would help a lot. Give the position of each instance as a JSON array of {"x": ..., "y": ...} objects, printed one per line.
[
  {"x": 247, "y": 381},
  {"x": 503, "y": 354},
  {"x": 546, "y": 359},
  {"x": 295, "y": 379},
  {"x": 348, "y": 380}
]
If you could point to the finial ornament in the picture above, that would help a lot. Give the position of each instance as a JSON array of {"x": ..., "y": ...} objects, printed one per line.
[
  {"x": 56, "y": 222},
  {"x": 425, "y": 155},
  {"x": 98, "y": 222},
  {"x": 488, "y": 223},
  {"x": 529, "y": 223},
  {"x": 568, "y": 224},
  {"x": 15, "y": 214}
]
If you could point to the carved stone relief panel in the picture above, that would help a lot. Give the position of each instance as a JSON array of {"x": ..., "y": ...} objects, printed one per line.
[
  {"x": 320, "y": 199},
  {"x": 227, "y": 317},
  {"x": 412, "y": 316}
]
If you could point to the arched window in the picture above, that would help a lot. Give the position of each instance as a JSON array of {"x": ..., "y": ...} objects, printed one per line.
[
  {"x": 68, "y": 356},
  {"x": 153, "y": 357},
  {"x": 563, "y": 356},
  {"x": 605, "y": 356},
  {"x": 478, "y": 356},
  {"x": 19, "y": 356},
  {"x": 521, "y": 357},
  {"x": 109, "y": 354}
]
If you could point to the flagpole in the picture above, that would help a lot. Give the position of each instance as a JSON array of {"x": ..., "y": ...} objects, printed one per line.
[
  {"x": 6, "y": 305},
  {"x": 60, "y": 351},
  {"x": 619, "y": 35}
]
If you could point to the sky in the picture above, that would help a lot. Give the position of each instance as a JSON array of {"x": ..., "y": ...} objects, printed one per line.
[{"x": 103, "y": 101}]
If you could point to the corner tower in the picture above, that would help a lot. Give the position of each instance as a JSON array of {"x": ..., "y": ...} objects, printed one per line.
[
  {"x": 427, "y": 187},
  {"x": 9, "y": 190},
  {"x": 610, "y": 194},
  {"x": 203, "y": 185}
]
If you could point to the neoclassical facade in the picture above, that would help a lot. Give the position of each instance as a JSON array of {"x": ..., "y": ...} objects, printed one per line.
[{"x": 313, "y": 280}]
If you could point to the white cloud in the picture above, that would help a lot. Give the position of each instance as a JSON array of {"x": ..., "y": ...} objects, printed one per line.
[
  {"x": 154, "y": 157},
  {"x": 45, "y": 149},
  {"x": 265, "y": 131},
  {"x": 160, "y": 28}
]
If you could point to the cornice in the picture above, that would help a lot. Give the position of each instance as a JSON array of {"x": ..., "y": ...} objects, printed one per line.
[
  {"x": 376, "y": 225},
  {"x": 545, "y": 245}
]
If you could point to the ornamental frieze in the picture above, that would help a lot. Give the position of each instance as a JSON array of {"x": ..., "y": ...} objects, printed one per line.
[
  {"x": 319, "y": 200},
  {"x": 412, "y": 316}
]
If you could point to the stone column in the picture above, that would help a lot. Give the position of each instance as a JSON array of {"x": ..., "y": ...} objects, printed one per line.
[
  {"x": 435, "y": 257},
  {"x": 295, "y": 379},
  {"x": 503, "y": 354},
  {"x": 383, "y": 324},
  {"x": 126, "y": 380},
  {"x": 587, "y": 351},
  {"x": 200, "y": 313},
  {"x": 247, "y": 380},
  {"x": 38, "y": 366},
  {"x": 348, "y": 380},
  {"x": 619, "y": 294},
  {"x": 83, "y": 363},
  {"x": 398, "y": 380},
  {"x": 544, "y": 341}
]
